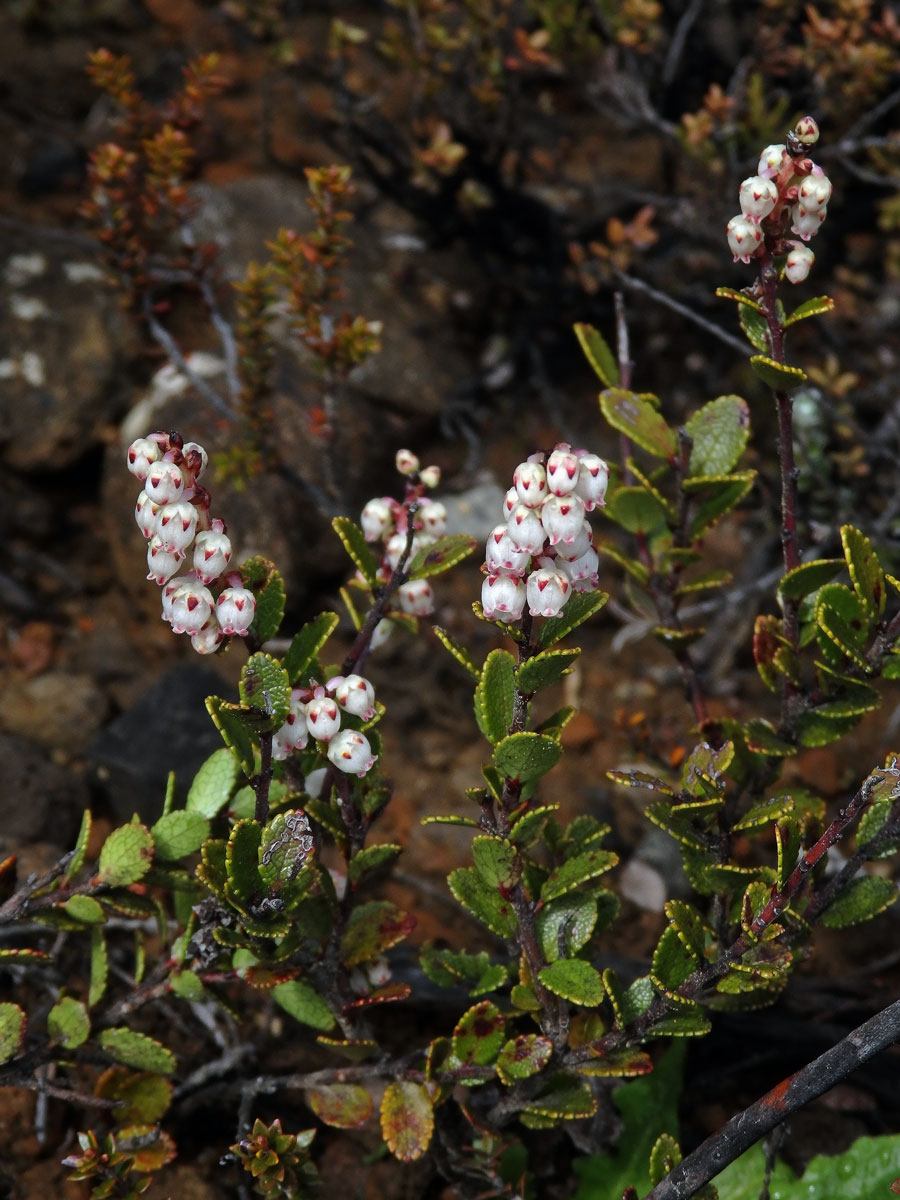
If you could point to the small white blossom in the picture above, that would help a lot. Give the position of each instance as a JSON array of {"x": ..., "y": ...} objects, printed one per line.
[
  {"x": 142, "y": 454},
  {"x": 354, "y": 694},
  {"x": 562, "y": 471},
  {"x": 207, "y": 639},
  {"x": 562, "y": 518},
  {"x": 191, "y": 607},
  {"x": 525, "y": 529},
  {"x": 798, "y": 263},
  {"x": 377, "y": 520},
  {"x": 416, "y": 597},
  {"x": 530, "y": 482},
  {"x": 770, "y": 161},
  {"x": 212, "y": 554},
  {"x": 744, "y": 238},
  {"x": 165, "y": 482},
  {"x": 235, "y": 610},
  {"x": 502, "y": 597},
  {"x": 547, "y": 592},
  {"x": 758, "y": 197},
  {"x": 406, "y": 462},
  {"x": 323, "y": 718},
  {"x": 176, "y": 525},
  {"x": 350, "y": 751}
]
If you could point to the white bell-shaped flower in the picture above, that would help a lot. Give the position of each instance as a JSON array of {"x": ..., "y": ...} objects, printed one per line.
[
  {"x": 235, "y": 610},
  {"x": 593, "y": 478},
  {"x": 212, "y": 554},
  {"x": 323, "y": 718},
  {"x": 547, "y": 591},
  {"x": 562, "y": 471},
  {"x": 350, "y": 752},
  {"x": 145, "y": 513},
  {"x": 162, "y": 563},
  {"x": 355, "y": 695},
  {"x": 798, "y": 263},
  {"x": 530, "y": 482},
  {"x": 376, "y": 520},
  {"x": 141, "y": 455},
  {"x": 562, "y": 518},
  {"x": 208, "y": 639},
  {"x": 416, "y": 597},
  {"x": 165, "y": 482},
  {"x": 805, "y": 223},
  {"x": 293, "y": 734},
  {"x": 176, "y": 525},
  {"x": 525, "y": 529},
  {"x": 758, "y": 197},
  {"x": 744, "y": 238},
  {"x": 502, "y": 597},
  {"x": 192, "y": 606},
  {"x": 434, "y": 517},
  {"x": 502, "y": 555}
]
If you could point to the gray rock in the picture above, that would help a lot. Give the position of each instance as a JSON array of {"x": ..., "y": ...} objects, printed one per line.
[
  {"x": 60, "y": 710},
  {"x": 40, "y": 801}
]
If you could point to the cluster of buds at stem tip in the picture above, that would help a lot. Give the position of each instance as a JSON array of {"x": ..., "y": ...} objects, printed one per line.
[
  {"x": 205, "y": 600},
  {"x": 788, "y": 194},
  {"x": 388, "y": 522},
  {"x": 544, "y": 549},
  {"x": 317, "y": 713}
]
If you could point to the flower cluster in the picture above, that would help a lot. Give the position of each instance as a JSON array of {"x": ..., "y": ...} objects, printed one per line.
[
  {"x": 544, "y": 551},
  {"x": 315, "y": 713},
  {"x": 387, "y": 521},
  {"x": 172, "y": 513},
  {"x": 789, "y": 189}
]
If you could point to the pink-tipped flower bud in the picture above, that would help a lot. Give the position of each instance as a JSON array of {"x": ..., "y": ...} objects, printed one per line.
[
  {"x": 806, "y": 131},
  {"x": 208, "y": 639},
  {"x": 142, "y": 454},
  {"x": 814, "y": 193},
  {"x": 406, "y": 462},
  {"x": 501, "y": 555},
  {"x": 416, "y": 597},
  {"x": 798, "y": 263},
  {"x": 434, "y": 517},
  {"x": 581, "y": 545},
  {"x": 430, "y": 476},
  {"x": 195, "y": 458},
  {"x": 744, "y": 238},
  {"x": 525, "y": 529},
  {"x": 381, "y": 633},
  {"x": 562, "y": 471},
  {"x": 376, "y": 520},
  {"x": 162, "y": 563},
  {"x": 313, "y": 784},
  {"x": 770, "y": 161},
  {"x": 758, "y": 197},
  {"x": 547, "y": 592},
  {"x": 165, "y": 482},
  {"x": 582, "y": 571},
  {"x": 145, "y": 513},
  {"x": 510, "y": 500},
  {"x": 293, "y": 734},
  {"x": 355, "y": 695},
  {"x": 235, "y": 610},
  {"x": 350, "y": 752},
  {"x": 562, "y": 518},
  {"x": 323, "y": 718},
  {"x": 191, "y": 607},
  {"x": 502, "y": 598},
  {"x": 212, "y": 554},
  {"x": 805, "y": 223},
  {"x": 593, "y": 477},
  {"x": 530, "y": 482},
  {"x": 396, "y": 544},
  {"x": 176, "y": 525}
]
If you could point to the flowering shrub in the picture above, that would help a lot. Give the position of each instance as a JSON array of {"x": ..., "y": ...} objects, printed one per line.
[{"x": 235, "y": 882}]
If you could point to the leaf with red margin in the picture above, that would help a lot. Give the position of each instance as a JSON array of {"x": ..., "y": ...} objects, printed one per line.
[{"x": 407, "y": 1119}]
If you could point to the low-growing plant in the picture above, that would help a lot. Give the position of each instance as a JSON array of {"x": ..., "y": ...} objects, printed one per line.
[{"x": 262, "y": 880}]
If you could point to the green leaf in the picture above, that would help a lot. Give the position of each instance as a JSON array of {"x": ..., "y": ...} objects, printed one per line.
[
  {"x": 598, "y": 353},
  {"x": 638, "y": 419},
  {"x": 304, "y": 1004},
  {"x": 808, "y": 578},
  {"x": 13, "y": 1023},
  {"x": 141, "y": 1096},
  {"x": 762, "y": 739},
  {"x": 848, "y": 697},
  {"x": 242, "y": 862},
  {"x": 68, "y": 1022},
  {"x": 370, "y": 860},
  {"x": 340, "y": 1105},
  {"x": 865, "y": 570},
  {"x": 136, "y": 1050},
  {"x": 527, "y": 829},
  {"x": 723, "y": 493},
  {"x": 372, "y": 929},
  {"x": 285, "y": 848},
  {"x": 86, "y": 909},
  {"x": 673, "y": 961},
  {"x": 665, "y": 1155},
  {"x": 126, "y": 856},
  {"x": 407, "y": 1119},
  {"x": 459, "y": 652},
  {"x": 863, "y": 899},
  {"x": 688, "y": 925},
  {"x": 230, "y": 721},
  {"x": 842, "y": 619},
  {"x": 755, "y": 328},
  {"x": 443, "y": 554},
  {"x": 452, "y": 968},
  {"x": 495, "y": 695},
  {"x": 764, "y": 811},
  {"x": 545, "y": 669},
  {"x": 479, "y": 1034},
  {"x": 720, "y": 430},
  {"x": 496, "y": 861},
  {"x": 265, "y": 687},
  {"x": 809, "y": 308},
  {"x": 213, "y": 784},
  {"x": 179, "y": 833},
  {"x": 264, "y": 580},
  {"x": 570, "y": 919},
  {"x": 565, "y": 1098},
  {"x": 307, "y": 643},
  {"x": 99, "y": 967},
  {"x": 483, "y": 902},
  {"x": 777, "y": 375},
  {"x": 523, "y": 1056},
  {"x": 76, "y": 862},
  {"x": 635, "y": 569},
  {"x": 574, "y": 980},
  {"x": 686, "y": 1021},
  {"x": 728, "y": 293},
  {"x": 575, "y": 871},
  {"x": 354, "y": 542},
  {"x": 814, "y": 729},
  {"x": 636, "y": 510},
  {"x": 526, "y": 756},
  {"x": 580, "y": 607},
  {"x": 863, "y": 1172}
]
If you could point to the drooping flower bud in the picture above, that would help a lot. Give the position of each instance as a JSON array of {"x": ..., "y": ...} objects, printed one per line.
[
  {"x": 142, "y": 454},
  {"x": 593, "y": 477},
  {"x": 207, "y": 639},
  {"x": 406, "y": 462},
  {"x": 580, "y": 546},
  {"x": 165, "y": 482},
  {"x": 814, "y": 192},
  {"x": 235, "y": 610},
  {"x": 376, "y": 520},
  {"x": 354, "y": 694},
  {"x": 806, "y": 131},
  {"x": 212, "y": 554},
  {"x": 547, "y": 592},
  {"x": 293, "y": 734},
  {"x": 176, "y": 525},
  {"x": 145, "y": 513},
  {"x": 798, "y": 263},
  {"x": 806, "y": 223},
  {"x": 191, "y": 607},
  {"x": 525, "y": 529},
  {"x": 510, "y": 500},
  {"x": 502, "y": 597},
  {"x": 381, "y": 633},
  {"x": 758, "y": 197},
  {"x": 582, "y": 571},
  {"x": 416, "y": 597},
  {"x": 195, "y": 458},
  {"x": 530, "y": 481},
  {"x": 562, "y": 518},
  {"x": 350, "y": 752},
  {"x": 501, "y": 555},
  {"x": 562, "y": 471},
  {"x": 744, "y": 238},
  {"x": 434, "y": 517},
  {"x": 430, "y": 476},
  {"x": 323, "y": 718},
  {"x": 162, "y": 563},
  {"x": 770, "y": 160}
]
